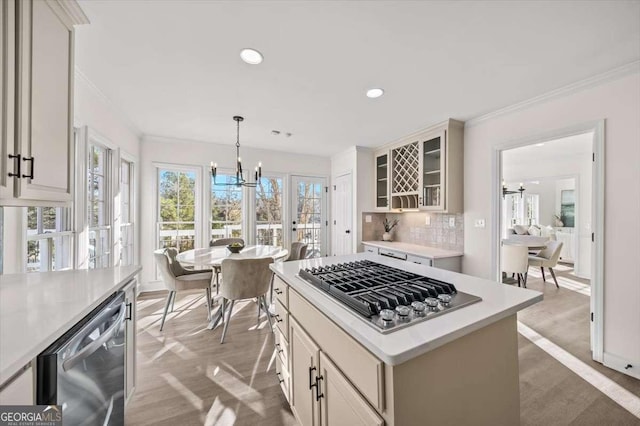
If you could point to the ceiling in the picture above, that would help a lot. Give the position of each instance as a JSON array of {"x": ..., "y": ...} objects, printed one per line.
[{"x": 173, "y": 67}]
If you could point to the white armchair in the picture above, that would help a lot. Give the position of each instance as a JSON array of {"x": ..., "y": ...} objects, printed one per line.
[{"x": 547, "y": 258}]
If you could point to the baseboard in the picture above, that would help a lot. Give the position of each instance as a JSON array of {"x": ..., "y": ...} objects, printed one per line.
[
  {"x": 619, "y": 364},
  {"x": 152, "y": 286}
]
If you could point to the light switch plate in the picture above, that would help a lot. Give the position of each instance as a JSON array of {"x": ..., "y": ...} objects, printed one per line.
[
  {"x": 452, "y": 221},
  {"x": 427, "y": 220},
  {"x": 479, "y": 223},
  {"x": 367, "y": 218}
]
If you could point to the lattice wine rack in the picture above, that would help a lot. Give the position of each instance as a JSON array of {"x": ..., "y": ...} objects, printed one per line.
[{"x": 405, "y": 174}]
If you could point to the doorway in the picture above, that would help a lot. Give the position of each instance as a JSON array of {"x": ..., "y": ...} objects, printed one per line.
[
  {"x": 342, "y": 216},
  {"x": 309, "y": 214},
  {"x": 549, "y": 197}
]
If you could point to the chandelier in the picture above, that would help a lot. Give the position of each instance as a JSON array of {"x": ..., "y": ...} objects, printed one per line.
[
  {"x": 238, "y": 179},
  {"x": 505, "y": 191}
]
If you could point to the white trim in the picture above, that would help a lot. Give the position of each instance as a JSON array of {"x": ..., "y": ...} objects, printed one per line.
[
  {"x": 593, "y": 81},
  {"x": 597, "y": 218},
  {"x": 75, "y": 12},
  {"x": 613, "y": 390}
]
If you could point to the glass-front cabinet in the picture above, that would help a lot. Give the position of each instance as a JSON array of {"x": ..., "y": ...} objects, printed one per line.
[
  {"x": 433, "y": 176},
  {"x": 382, "y": 180}
]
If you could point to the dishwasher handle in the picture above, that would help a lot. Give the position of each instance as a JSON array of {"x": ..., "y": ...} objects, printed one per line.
[
  {"x": 399, "y": 256},
  {"x": 84, "y": 353}
]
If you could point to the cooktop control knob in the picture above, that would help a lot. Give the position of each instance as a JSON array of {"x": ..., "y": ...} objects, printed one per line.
[
  {"x": 419, "y": 308},
  {"x": 403, "y": 311},
  {"x": 445, "y": 299},
  {"x": 431, "y": 302},
  {"x": 387, "y": 314}
]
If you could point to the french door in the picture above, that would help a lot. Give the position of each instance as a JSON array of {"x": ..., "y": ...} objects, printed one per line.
[{"x": 309, "y": 214}]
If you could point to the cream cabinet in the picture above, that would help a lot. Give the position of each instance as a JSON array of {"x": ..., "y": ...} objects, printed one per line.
[
  {"x": 423, "y": 171},
  {"x": 20, "y": 389},
  {"x": 305, "y": 356},
  {"x": 38, "y": 150},
  {"x": 130, "y": 291},
  {"x": 7, "y": 97}
]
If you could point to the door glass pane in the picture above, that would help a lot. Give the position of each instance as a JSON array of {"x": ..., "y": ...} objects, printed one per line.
[
  {"x": 269, "y": 211},
  {"x": 310, "y": 228}
]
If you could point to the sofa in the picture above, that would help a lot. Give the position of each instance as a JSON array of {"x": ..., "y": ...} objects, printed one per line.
[{"x": 533, "y": 230}]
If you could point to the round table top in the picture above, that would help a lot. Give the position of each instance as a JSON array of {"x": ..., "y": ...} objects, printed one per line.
[
  {"x": 213, "y": 256},
  {"x": 533, "y": 242}
]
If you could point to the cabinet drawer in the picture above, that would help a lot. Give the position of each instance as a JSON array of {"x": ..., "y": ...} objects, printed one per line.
[
  {"x": 282, "y": 374},
  {"x": 281, "y": 291},
  {"x": 370, "y": 249},
  {"x": 394, "y": 254},
  {"x": 282, "y": 348},
  {"x": 419, "y": 260},
  {"x": 364, "y": 370},
  {"x": 281, "y": 318}
]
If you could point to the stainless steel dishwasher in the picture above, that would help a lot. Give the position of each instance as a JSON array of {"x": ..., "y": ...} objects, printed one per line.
[{"x": 83, "y": 371}]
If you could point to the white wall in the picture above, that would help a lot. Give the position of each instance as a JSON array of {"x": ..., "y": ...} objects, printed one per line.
[
  {"x": 617, "y": 101},
  {"x": 359, "y": 162},
  {"x": 156, "y": 150}
]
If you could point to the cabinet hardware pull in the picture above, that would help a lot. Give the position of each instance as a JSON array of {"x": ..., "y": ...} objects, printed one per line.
[
  {"x": 30, "y": 175},
  {"x": 279, "y": 379},
  {"x": 129, "y": 312},
  {"x": 279, "y": 348},
  {"x": 278, "y": 318},
  {"x": 16, "y": 165},
  {"x": 311, "y": 369},
  {"x": 317, "y": 385},
  {"x": 277, "y": 291}
]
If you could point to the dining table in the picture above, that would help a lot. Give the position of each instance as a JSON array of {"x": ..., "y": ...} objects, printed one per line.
[
  {"x": 532, "y": 242},
  {"x": 213, "y": 257}
]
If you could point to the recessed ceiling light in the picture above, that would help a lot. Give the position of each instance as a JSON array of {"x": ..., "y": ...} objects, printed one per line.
[
  {"x": 375, "y": 93},
  {"x": 539, "y": 144},
  {"x": 251, "y": 56}
]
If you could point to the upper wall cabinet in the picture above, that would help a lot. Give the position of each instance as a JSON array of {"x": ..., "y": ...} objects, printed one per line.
[
  {"x": 37, "y": 101},
  {"x": 423, "y": 172}
]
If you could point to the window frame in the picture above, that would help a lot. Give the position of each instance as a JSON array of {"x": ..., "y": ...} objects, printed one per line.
[
  {"x": 284, "y": 202},
  {"x": 40, "y": 235},
  {"x": 132, "y": 165},
  {"x": 244, "y": 222},
  {"x": 111, "y": 181}
]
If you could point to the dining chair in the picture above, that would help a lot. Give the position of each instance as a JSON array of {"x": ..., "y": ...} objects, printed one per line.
[
  {"x": 298, "y": 251},
  {"x": 176, "y": 278},
  {"x": 218, "y": 243},
  {"x": 515, "y": 261},
  {"x": 548, "y": 258},
  {"x": 243, "y": 279}
]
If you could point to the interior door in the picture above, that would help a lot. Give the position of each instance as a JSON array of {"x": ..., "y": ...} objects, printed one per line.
[
  {"x": 304, "y": 370},
  {"x": 342, "y": 215},
  {"x": 309, "y": 214},
  {"x": 341, "y": 403}
]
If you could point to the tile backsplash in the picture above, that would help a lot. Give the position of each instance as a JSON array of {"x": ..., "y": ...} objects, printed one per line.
[{"x": 412, "y": 228}]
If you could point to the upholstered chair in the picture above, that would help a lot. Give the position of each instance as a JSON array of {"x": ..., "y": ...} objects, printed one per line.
[
  {"x": 547, "y": 258},
  {"x": 176, "y": 278},
  {"x": 515, "y": 261},
  {"x": 219, "y": 243}
]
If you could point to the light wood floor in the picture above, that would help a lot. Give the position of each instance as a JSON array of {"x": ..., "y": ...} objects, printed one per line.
[
  {"x": 185, "y": 377},
  {"x": 551, "y": 394}
]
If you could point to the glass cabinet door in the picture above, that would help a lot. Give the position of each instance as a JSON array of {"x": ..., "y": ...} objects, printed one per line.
[
  {"x": 433, "y": 176},
  {"x": 382, "y": 187}
]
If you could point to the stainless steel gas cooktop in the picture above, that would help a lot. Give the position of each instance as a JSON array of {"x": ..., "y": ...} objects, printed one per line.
[{"x": 388, "y": 298}]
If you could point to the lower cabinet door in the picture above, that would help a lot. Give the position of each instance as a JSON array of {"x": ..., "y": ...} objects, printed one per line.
[
  {"x": 304, "y": 355},
  {"x": 130, "y": 341},
  {"x": 341, "y": 403}
]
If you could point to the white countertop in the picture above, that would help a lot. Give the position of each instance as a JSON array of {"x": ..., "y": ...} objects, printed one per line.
[
  {"x": 498, "y": 301},
  {"x": 415, "y": 249},
  {"x": 37, "y": 308}
]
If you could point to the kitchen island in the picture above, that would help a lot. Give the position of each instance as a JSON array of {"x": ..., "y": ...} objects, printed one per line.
[
  {"x": 38, "y": 308},
  {"x": 458, "y": 368}
]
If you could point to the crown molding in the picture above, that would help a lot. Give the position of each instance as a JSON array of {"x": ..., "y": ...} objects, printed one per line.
[
  {"x": 75, "y": 12},
  {"x": 79, "y": 75},
  {"x": 614, "y": 74}
]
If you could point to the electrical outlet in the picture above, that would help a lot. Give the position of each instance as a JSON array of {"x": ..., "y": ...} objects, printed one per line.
[
  {"x": 367, "y": 218},
  {"x": 479, "y": 223},
  {"x": 427, "y": 220},
  {"x": 452, "y": 222}
]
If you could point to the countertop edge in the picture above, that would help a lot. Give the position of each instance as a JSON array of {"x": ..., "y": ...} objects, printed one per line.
[
  {"x": 386, "y": 245},
  {"x": 9, "y": 371}
]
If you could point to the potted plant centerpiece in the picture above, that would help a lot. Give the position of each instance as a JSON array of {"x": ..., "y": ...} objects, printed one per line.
[{"x": 388, "y": 226}]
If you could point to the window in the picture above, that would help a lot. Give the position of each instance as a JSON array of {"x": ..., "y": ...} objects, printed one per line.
[
  {"x": 269, "y": 211},
  {"x": 522, "y": 210},
  {"x": 49, "y": 239},
  {"x": 226, "y": 209},
  {"x": 126, "y": 213},
  {"x": 177, "y": 208},
  {"x": 99, "y": 206}
]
